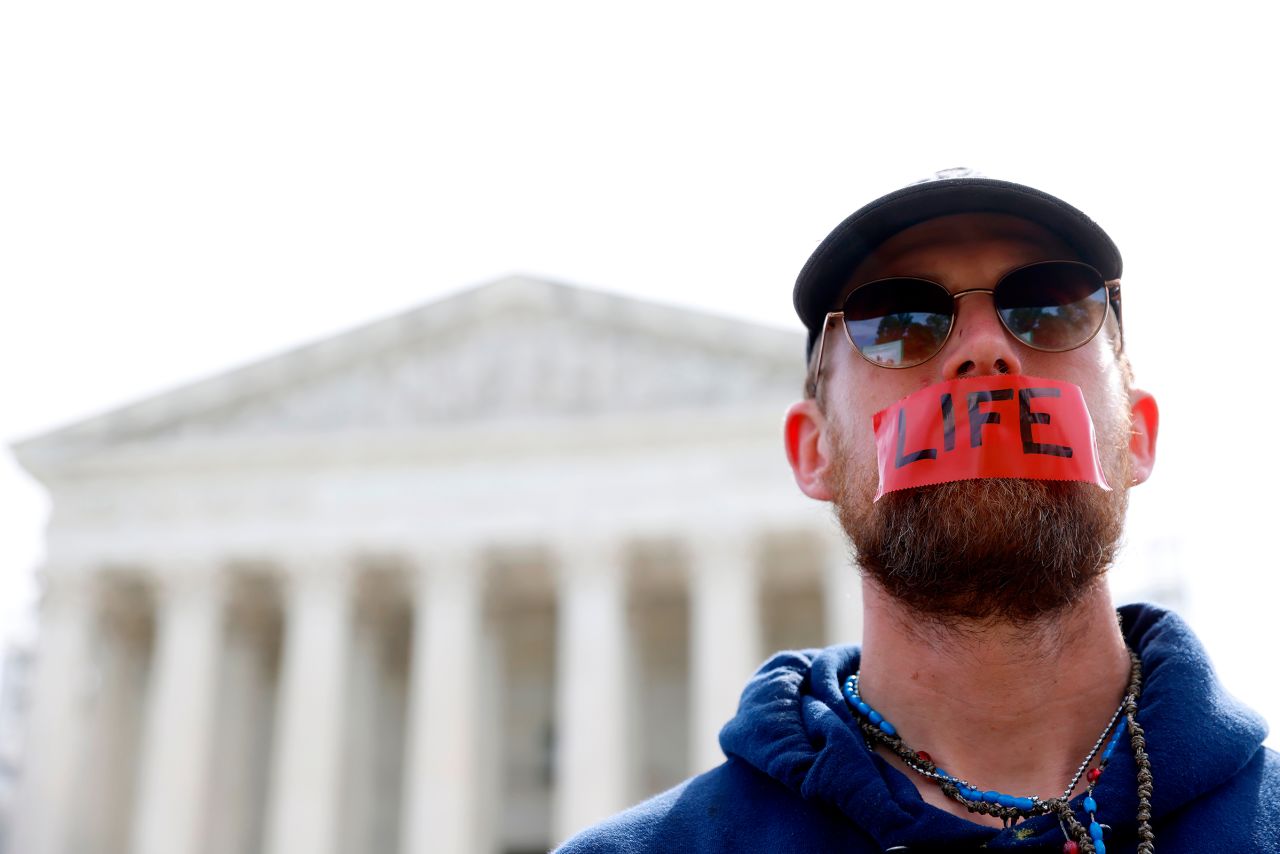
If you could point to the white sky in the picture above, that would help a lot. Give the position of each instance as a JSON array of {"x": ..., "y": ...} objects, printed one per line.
[{"x": 187, "y": 187}]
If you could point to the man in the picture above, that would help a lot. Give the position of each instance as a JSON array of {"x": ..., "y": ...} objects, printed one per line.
[{"x": 996, "y": 682}]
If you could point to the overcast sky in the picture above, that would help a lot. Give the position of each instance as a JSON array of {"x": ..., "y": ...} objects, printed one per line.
[{"x": 188, "y": 187}]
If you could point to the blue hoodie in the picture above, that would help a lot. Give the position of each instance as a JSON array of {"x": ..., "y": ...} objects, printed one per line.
[{"x": 799, "y": 777}]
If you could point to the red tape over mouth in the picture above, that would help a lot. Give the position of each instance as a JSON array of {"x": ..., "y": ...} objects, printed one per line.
[{"x": 989, "y": 426}]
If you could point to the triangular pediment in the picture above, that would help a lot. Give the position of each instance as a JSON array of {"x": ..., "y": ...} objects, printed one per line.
[{"x": 517, "y": 348}]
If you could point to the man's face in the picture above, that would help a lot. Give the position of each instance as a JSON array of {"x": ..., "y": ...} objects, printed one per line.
[{"x": 980, "y": 549}]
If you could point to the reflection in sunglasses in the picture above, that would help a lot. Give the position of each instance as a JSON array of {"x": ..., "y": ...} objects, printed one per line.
[{"x": 901, "y": 322}]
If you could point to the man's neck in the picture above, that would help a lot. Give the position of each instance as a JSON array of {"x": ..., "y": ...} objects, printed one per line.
[{"x": 1010, "y": 708}]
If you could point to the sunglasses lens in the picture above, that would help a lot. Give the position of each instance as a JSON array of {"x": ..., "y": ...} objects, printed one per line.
[
  {"x": 898, "y": 322},
  {"x": 1056, "y": 305}
]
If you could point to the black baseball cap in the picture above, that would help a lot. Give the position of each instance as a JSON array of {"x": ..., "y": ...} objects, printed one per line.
[{"x": 951, "y": 191}]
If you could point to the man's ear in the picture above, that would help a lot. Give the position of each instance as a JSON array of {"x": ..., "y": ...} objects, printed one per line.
[
  {"x": 1142, "y": 435},
  {"x": 807, "y": 449}
]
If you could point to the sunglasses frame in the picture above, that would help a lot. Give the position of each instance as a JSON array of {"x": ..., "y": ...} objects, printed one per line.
[{"x": 1113, "y": 304}]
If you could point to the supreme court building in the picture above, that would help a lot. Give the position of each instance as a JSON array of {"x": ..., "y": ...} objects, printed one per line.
[{"x": 463, "y": 580}]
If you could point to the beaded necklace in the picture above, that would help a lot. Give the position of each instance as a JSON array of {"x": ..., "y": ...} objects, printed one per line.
[{"x": 1079, "y": 838}]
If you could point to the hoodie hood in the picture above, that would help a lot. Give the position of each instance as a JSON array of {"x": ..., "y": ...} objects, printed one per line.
[{"x": 793, "y": 725}]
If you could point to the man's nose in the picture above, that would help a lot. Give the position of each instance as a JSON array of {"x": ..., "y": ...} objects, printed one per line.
[{"x": 979, "y": 343}]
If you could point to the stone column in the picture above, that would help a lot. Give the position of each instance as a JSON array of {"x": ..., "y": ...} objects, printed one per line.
[
  {"x": 244, "y": 720},
  {"x": 45, "y": 819},
  {"x": 725, "y": 636},
  {"x": 442, "y": 780},
  {"x": 304, "y": 805},
  {"x": 841, "y": 594},
  {"x": 177, "y": 738},
  {"x": 592, "y": 732}
]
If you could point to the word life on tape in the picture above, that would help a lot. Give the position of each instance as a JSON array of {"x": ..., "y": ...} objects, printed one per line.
[{"x": 990, "y": 426}]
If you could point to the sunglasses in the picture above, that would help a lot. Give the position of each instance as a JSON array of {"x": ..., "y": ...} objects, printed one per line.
[{"x": 903, "y": 321}]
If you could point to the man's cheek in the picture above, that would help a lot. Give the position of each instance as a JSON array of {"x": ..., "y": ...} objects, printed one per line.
[
  {"x": 852, "y": 476},
  {"x": 855, "y": 438},
  {"x": 1113, "y": 421}
]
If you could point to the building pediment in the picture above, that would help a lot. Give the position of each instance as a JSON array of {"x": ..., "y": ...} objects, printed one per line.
[{"x": 513, "y": 350}]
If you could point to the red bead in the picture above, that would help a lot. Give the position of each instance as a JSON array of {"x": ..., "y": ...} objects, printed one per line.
[
  {"x": 1070, "y": 847},
  {"x": 1094, "y": 774},
  {"x": 923, "y": 757}
]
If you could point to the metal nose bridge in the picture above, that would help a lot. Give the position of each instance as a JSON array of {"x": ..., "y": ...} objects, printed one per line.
[{"x": 966, "y": 293}]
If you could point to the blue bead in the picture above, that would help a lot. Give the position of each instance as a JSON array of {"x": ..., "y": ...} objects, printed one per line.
[
  {"x": 1090, "y": 805},
  {"x": 1099, "y": 847},
  {"x": 875, "y": 716},
  {"x": 1095, "y": 830},
  {"x": 864, "y": 708},
  {"x": 887, "y": 728},
  {"x": 991, "y": 797},
  {"x": 940, "y": 772},
  {"x": 1024, "y": 803},
  {"x": 1004, "y": 800}
]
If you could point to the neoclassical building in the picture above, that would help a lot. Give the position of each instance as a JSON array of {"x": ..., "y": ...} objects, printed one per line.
[{"x": 462, "y": 580}]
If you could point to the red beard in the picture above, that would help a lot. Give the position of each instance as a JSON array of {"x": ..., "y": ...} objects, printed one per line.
[{"x": 1008, "y": 550}]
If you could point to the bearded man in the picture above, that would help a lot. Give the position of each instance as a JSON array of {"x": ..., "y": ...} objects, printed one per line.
[{"x": 969, "y": 412}]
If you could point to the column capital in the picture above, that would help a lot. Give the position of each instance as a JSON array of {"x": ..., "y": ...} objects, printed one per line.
[
  {"x": 447, "y": 564},
  {"x": 60, "y": 586},
  {"x": 187, "y": 579},
  {"x": 835, "y": 544},
  {"x": 590, "y": 557},
  {"x": 301, "y": 572},
  {"x": 723, "y": 550}
]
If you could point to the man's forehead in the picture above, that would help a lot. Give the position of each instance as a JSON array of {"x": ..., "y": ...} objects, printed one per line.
[{"x": 928, "y": 248}]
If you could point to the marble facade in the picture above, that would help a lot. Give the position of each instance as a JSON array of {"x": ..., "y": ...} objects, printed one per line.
[{"x": 463, "y": 580}]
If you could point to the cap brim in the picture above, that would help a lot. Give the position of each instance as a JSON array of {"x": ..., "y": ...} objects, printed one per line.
[{"x": 827, "y": 271}]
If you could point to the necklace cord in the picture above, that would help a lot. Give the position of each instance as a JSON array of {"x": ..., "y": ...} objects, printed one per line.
[{"x": 876, "y": 730}]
